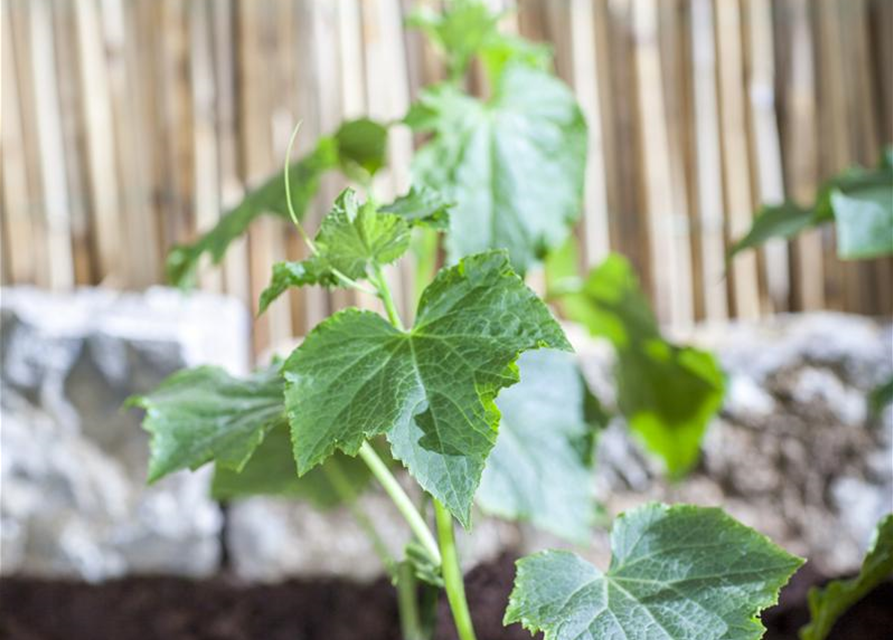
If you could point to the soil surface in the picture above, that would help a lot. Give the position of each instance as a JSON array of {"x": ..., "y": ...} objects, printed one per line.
[{"x": 174, "y": 609}]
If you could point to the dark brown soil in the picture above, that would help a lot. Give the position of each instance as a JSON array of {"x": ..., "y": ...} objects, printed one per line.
[{"x": 175, "y": 609}]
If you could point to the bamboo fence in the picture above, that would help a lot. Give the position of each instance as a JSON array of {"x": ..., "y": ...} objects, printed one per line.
[{"x": 128, "y": 125}]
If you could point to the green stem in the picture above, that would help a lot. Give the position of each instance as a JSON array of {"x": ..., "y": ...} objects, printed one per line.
[
  {"x": 384, "y": 292},
  {"x": 341, "y": 485},
  {"x": 452, "y": 573},
  {"x": 401, "y": 501},
  {"x": 407, "y": 603}
]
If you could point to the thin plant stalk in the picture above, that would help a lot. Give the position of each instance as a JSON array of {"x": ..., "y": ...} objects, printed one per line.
[
  {"x": 452, "y": 573},
  {"x": 402, "y": 501}
]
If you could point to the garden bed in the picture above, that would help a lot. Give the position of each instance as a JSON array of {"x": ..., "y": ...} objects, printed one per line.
[{"x": 165, "y": 608}]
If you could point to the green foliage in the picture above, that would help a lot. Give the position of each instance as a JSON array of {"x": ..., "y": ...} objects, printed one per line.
[
  {"x": 467, "y": 28},
  {"x": 357, "y": 149},
  {"x": 827, "y": 604},
  {"x": 513, "y": 165},
  {"x": 204, "y": 414},
  {"x": 271, "y": 471},
  {"x": 667, "y": 393},
  {"x": 541, "y": 467},
  {"x": 860, "y": 203},
  {"x": 677, "y": 573},
  {"x": 430, "y": 389},
  {"x": 353, "y": 238},
  {"x": 880, "y": 397},
  {"x": 423, "y": 207}
]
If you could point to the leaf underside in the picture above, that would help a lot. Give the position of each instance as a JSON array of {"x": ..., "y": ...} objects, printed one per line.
[
  {"x": 540, "y": 470},
  {"x": 430, "y": 389},
  {"x": 676, "y": 573}
]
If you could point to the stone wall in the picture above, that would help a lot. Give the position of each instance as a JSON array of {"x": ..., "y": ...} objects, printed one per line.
[{"x": 794, "y": 452}]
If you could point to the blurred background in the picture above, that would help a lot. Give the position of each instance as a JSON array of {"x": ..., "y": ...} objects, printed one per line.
[{"x": 130, "y": 125}]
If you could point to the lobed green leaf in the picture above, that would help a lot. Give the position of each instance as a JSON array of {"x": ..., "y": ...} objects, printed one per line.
[
  {"x": 431, "y": 389},
  {"x": 677, "y": 573},
  {"x": 203, "y": 414}
]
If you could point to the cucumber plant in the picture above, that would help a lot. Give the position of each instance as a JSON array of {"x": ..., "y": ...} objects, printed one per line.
[{"x": 366, "y": 393}]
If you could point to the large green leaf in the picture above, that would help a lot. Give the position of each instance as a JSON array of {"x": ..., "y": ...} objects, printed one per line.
[
  {"x": 358, "y": 149},
  {"x": 667, "y": 393},
  {"x": 352, "y": 238},
  {"x": 431, "y": 389},
  {"x": 271, "y": 471},
  {"x": 513, "y": 165},
  {"x": 827, "y": 604},
  {"x": 677, "y": 573},
  {"x": 541, "y": 467},
  {"x": 204, "y": 414}
]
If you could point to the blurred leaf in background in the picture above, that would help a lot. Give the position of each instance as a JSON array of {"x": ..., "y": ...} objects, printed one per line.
[
  {"x": 860, "y": 203},
  {"x": 667, "y": 393},
  {"x": 541, "y": 468},
  {"x": 358, "y": 149}
]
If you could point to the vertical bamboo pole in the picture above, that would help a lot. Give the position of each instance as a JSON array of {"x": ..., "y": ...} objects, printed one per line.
[
  {"x": 226, "y": 50},
  {"x": 206, "y": 177},
  {"x": 708, "y": 162},
  {"x": 384, "y": 55},
  {"x": 736, "y": 173},
  {"x": 51, "y": 148},
  {"x": 794, "y": 34},
  {"x": 671, "y": 266},
  {"x": 20, "y": 234},
  {"x": 96, "y": 104},
  {"x": 587, "y": 60},
  {"x": 765, "y": 143}
]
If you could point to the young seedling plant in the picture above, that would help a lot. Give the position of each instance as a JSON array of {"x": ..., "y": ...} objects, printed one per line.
[{"x": 368, "y": 393}]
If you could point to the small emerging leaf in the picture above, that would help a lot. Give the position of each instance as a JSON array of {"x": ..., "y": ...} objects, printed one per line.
[
  {"x": 541, "y": 467},
  {"x": 827, "y": 604},
  {"x": 352, "y": 238},
  {"x": 204, "y": 414},
  {"x": 667, "y": 393},
  {"x": 421, "y": 206},
  {"x": 677, "y": 573},
  {"x": 431, "y": 389}
]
